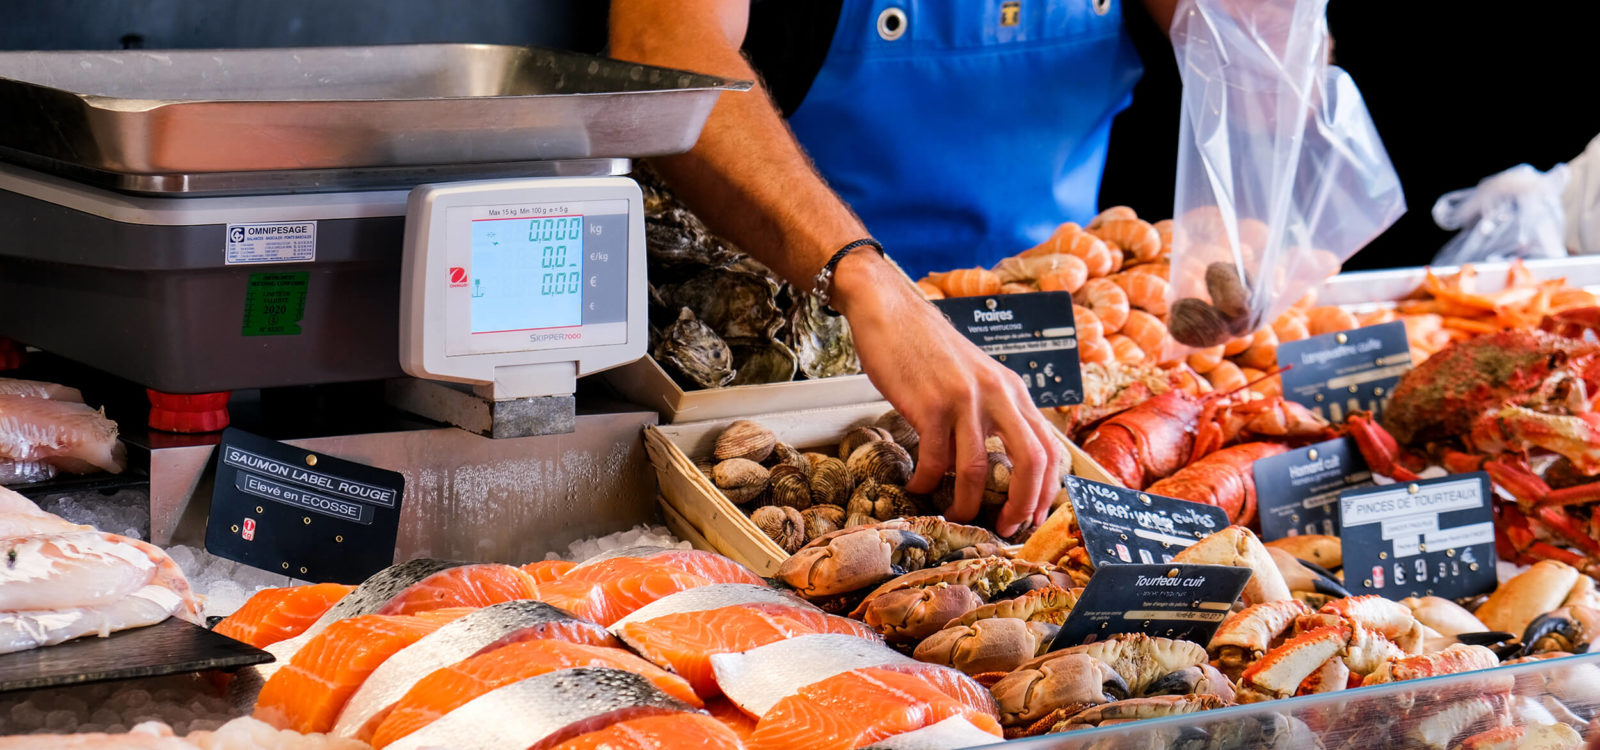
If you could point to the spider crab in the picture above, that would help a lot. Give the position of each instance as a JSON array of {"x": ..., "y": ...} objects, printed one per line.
[{"x": 1493, "y": 402}]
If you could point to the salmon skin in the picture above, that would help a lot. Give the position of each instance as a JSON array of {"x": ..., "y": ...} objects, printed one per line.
[
  {"x": 950, "y": 734},
  {"x": 449, "y": 688},
  {"x": 69, "y": 436},
  {"x": 462, "y": 586},
  {"x": 308, "y": 693},
  {"x": 492, "y": 627},
  {"x": 544, "y": 711},
  {"x": 684, "y": 642},
  {"x": 755, "y": 680},
  {"x": 860, "y": 708},
  {"x": 55, "y": 587},
  {"x": 714, "y": 596},
  {"x": 668, "y": 732},
  {"x": 39, "y": 389},
  {"x": 272, "y": 615}
]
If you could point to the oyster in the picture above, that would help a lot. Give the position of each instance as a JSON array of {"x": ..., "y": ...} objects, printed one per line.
[
  {"x": 762, "y": 361},
  {"x": 821, "y": 342},
  {"x": 692, "y": 351},
  {"x": 736, "y": 305}
]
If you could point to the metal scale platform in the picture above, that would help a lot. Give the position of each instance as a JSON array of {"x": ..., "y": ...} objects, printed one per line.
[{"x": 206, "y": 221}]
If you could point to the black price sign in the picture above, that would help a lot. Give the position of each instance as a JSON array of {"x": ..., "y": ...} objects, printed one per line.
[
  {"x": 1298, "y": 492},
  {"x": 293, "y": 511},
  {"x": 1338, "y": 373},
  {"x": 1164, "y": 601},
  {"x": 1128, "y": 526},
  {"x": 1033, "y": 334},
  {"x": 1432, "y": 537}
]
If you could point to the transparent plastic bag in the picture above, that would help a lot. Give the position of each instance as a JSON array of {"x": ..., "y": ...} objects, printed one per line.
[
  {"x": 1281, "y": 175},
  {"x": 1514, "y": 214},
  {"x": 1580, "y": 202}
]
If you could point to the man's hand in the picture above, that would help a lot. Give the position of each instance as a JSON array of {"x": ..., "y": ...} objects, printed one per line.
[{"x": 951, "y": 392}]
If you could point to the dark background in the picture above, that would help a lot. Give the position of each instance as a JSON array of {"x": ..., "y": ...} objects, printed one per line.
[{"x": 1458, "y": 90}]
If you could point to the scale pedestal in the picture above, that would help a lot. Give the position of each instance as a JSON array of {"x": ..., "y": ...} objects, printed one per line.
[{"x": 507, "y": 408}]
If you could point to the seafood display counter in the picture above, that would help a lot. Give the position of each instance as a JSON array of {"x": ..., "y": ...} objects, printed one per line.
[{"x": 1542, "y": 704}]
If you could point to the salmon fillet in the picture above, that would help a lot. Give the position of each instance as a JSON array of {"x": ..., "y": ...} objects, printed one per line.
[
  {"x": 463, "y": 586},
  {"x": 449, "y": 688},
  {"x": 668, "y": 732},
  {"x": 684, "y": 642},
  {"x": 547, "y": 571},
  {"x": 272, "y": 615},
  {"x": 708, "y": 565},
  {"x": 70, "y": 436},
  {"x": 859, "y": 708},
  {"x": 307, "y": 694},
  {"x": 608, "y": 591},
  {"x": 742, "y": 724}
]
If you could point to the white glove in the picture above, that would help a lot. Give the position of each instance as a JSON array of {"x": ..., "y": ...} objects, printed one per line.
[
  {"x": 1581, "y": 202},
  {"x": 1514, "y": 214}
]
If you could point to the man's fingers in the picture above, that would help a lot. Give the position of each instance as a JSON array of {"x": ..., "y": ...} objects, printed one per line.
[
  {"x": 1050, "y": 480},
  {"x": 933, "y": 458},
  {"x": 972, "y": 469},
  {"x": 1028, "y": 467}
]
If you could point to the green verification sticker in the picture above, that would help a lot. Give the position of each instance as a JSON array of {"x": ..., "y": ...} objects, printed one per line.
[{"x": 274, "y": 303}]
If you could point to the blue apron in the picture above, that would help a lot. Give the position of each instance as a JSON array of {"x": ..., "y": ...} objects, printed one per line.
[{"x": 963, "y": 131}]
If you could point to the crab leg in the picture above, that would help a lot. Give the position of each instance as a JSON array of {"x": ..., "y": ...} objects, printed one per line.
[{"x": 1378, "y": 447}]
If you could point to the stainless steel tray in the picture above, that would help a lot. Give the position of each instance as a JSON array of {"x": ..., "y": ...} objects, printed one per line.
[
  {"x": 1367, "y": 287},
  {"x": 141, "y": 120}
]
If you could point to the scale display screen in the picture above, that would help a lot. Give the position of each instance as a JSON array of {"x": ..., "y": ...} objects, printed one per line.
[{"x": 527, "y": 274}]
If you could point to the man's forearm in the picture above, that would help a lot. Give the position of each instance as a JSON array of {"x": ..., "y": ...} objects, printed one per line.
[{"x": 746, "y": 175}]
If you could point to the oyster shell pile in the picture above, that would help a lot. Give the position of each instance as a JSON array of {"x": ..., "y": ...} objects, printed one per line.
[{"x": 719, "y": 317}]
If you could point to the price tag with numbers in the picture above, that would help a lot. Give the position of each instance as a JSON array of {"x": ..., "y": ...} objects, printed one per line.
[
  {"x": 1337, "y": 373},
  {"x": 1431, "y": 537},
  {"x": 1032, "y": 334},
  {"x": 1297, "y": 492}
]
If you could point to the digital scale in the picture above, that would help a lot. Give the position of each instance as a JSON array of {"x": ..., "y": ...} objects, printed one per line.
[{"x": 451, "y": 220}]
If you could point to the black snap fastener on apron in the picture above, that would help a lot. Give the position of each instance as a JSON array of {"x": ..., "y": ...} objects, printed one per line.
[
  {"x": 1102, "y": 7},
  {"x": 891, "y": 24}
]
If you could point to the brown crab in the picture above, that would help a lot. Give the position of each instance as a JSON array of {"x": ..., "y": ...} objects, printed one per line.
[
  {"x": 999, "y": 636},
  {"x": 857, "y": 558},
  {"x": 918, "y": 604}
]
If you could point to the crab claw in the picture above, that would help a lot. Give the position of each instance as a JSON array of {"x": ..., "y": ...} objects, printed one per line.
[
  {"x": 852, "y": 559},
  {"x": 1056, "y": 681},
  {"x": 994, "y": 645},
  {"x": 1201, "y": 679},
  {"x": 913, "y": 614},
  {"x": 1378, "y": 448}
]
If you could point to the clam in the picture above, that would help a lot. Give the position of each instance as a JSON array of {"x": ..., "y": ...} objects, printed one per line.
[
  {"x": 704, "y": 465},
  {"x": 746, "y": 439},
  {"x": 783, "y": 453},
  {"x": 882, "y": 461},
  {"x": 899, "y": 429},
  {"x": 788, "y": 487},
  {"x": 830, "y": 481},
  {"x": 881, "y": 501},
  {"x": 861, "y": 436},
  {"x": 741, "y": 479},
  {"x": 822, "y": 519},
  {"x": 853, "y": 520},
  {"x": 781, "y": 524},
  {"x": 997, "y": 483}
]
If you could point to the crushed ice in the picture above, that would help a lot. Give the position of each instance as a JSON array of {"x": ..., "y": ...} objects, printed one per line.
[{"x": 639, "y": 536}]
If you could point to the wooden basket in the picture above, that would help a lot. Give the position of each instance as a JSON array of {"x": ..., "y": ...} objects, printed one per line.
[{"x": 697, "y": 511}]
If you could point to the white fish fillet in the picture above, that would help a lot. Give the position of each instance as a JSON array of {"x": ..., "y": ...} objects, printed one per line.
[
  {"x": 951, "y": 734},
  {"x": 60, "y": 586},
  {"x": 72, "y": 437},
  {"x": 20, "y": 517},
  {"x": 757, "y": 679},
  {"x": 39, "y": 389}
]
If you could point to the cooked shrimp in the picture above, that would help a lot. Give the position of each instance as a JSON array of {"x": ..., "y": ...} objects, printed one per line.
[
  {"x": 930, "y": 290},
  {"x": 1253, "y": 233},
  {"x": 1159, "y": 268},
  {"x": 967, "y": 282},
  {"x": 1290, "y": 327},
  {"x": 1069, "y": 238},
  {"x": 1376, "y": 317},
  {"x": 1205, "y": 360},
  {"x": 1067, "y": 273},
  {"x": 1566, "y": 299},
  {"x": 1017, "y": 287},
  {"x": 1117, "y": 256},
  {"x": 1114, "y": 213},
  {"x": 1088, "y": 324},
  {"x": 1133, "y": 236},
  {"x": 1145, "y": 291},
  {"x": 1263, "y": 351},
  {"x": 1226, "y": 376},
  {"x": 1054, "y": 243},
  {"x": 1150, "y": 334},
  {"x": 1126, "y": 350},
  {"x": 1107, "y": 300},
  {"x": 1236, "y": 346},
  {"x": 1327, "y": 319},
  {"x": 1260, "y": 383},
  {"x": 1166, "y": 231},
  {"x": 1096, "y": 351},
  {"x": 1306, "y": 301}
]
